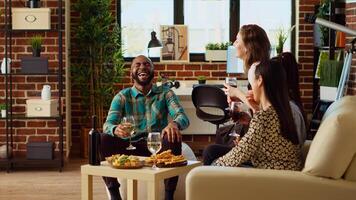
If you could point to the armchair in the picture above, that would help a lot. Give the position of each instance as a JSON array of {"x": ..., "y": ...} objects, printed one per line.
[{"x": 329, "y": 171}]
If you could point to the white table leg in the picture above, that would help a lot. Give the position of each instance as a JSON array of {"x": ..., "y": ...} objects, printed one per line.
[
  {"x": 87, "y": 187},
  {"x": 131, "y": 189},
  {"x": 153, "y": 190}
]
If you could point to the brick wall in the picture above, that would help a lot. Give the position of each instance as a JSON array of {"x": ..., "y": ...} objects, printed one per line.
[
  {"x": 351, "y": 23},
  {"x": 305, "y": 54},
  {"x": 26, "y": 87}
]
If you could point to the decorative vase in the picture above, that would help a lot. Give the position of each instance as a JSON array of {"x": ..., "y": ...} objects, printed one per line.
[
  {"x": 279, "y": 49},
  {"x": 201, "y": 81},
  {"x": 5, "y": 66},
  {"x": 46, "y": 93},
  {"x": 33, "y": 3},
  {"x": 3, "y": 113},
  {"x": 36, "y": 52}
]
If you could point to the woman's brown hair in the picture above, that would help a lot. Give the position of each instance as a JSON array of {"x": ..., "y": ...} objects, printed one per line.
[{"x": 257, "y": 44}]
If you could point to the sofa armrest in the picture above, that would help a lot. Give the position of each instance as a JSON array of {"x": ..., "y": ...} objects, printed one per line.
[{"x": 209, "y": 182}]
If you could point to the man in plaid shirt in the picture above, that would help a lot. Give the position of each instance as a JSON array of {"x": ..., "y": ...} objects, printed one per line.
[{"x": 150, "y": 106}]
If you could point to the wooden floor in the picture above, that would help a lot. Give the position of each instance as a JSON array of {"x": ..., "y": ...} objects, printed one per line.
[{"x": 47, "y": 184}]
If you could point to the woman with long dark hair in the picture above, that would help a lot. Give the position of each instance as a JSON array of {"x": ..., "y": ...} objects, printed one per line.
[
  {"x": 271, "y": 140},
  {"x": 290, "y": 66}
]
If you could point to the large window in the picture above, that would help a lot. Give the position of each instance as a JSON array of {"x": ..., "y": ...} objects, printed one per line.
[
  {"x": 138, "y": 19},
  {"x": 204, "y": 24},
  {"x": 271, "y": 15},
  {"x": 207, "y": 21}
]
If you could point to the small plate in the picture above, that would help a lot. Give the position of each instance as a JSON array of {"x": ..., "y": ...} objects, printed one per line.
[
  {"x": 161, "y": 165},
  {"x": 141, "y": 164}
]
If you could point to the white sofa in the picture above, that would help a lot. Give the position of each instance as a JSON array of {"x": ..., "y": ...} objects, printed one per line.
[{"x": 329, "y": 171}]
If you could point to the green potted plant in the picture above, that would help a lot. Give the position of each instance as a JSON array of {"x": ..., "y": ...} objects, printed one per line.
[
  {"x": 3, "y": 110},
  {"x": 323, "y": 12},
  {"x": 100, "y": 65},
  {"x": 201, "y": 79},
  {"x": 282, "y": 36},
  {"x": 36, "y": 45},
  {"x": 216, "y": 51}
]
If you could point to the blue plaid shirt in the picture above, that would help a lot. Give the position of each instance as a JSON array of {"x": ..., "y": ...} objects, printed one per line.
[{"x": 150, "y": 112}]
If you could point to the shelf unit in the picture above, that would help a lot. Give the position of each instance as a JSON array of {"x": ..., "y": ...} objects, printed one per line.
[
  {"x": 11, "y": 160},
  {"x": 320, "y": 106}
]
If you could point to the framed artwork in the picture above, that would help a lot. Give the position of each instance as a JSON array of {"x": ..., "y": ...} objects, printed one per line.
[{"x": 174, "y": 43}]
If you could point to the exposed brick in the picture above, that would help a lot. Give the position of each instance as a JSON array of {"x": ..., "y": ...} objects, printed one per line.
[
  {"x": 36, "y": 124},
  {"x": 25, "y": 131},
  {"x": 192, "y": 67},
  {"x": 36, "y": 138},
  {"x": 175, "y": 67},
  {"x": 210, "y": 67},
  {"x": 46, "y": 131},
  {"x": 185, "y": 73},
  {"x": 218, "y": 74},
  {"x": 202, "y": 73}
]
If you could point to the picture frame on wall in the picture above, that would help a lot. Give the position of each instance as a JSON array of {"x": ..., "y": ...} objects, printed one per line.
[{"x": 174, "y": 43}]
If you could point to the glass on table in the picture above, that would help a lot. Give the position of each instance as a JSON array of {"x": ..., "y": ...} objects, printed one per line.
[
  {"x": 128, "y": 124},
  {"x": 154, "y": 144}
]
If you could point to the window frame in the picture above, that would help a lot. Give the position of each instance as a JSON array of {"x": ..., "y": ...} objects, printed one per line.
[{"x": 234, "y": 22}]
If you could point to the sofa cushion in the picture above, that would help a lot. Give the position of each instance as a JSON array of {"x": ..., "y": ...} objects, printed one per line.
[
  {"x": 337, "y": 106},
  {"x": 334, "y": 145},
  {"x": 351, "y": 170}
]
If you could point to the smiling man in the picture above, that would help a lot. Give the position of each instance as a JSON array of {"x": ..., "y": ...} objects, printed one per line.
[{"x": 150, "y": 106}]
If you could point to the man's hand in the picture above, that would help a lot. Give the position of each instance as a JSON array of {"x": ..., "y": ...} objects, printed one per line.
[
  {"x": 120, "y": 131},
  {"x": 172, "y": 131}
]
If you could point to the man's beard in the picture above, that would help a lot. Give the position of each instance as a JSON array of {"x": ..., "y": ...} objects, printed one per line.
[{"x": 143, "y": 83}]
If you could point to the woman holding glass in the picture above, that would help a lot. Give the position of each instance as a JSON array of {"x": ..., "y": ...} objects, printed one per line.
[
  {"x": 252, "y": 46},
  {"x": 271, "y": 141}
]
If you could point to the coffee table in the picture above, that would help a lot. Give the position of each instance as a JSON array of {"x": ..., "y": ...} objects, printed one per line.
[{"x": 151, "y": 176}]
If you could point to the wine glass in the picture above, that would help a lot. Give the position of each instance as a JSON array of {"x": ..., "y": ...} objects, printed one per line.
[
  {"x": 154, "y": 144},
  {"x": 237, "y": 111},
  {"x": 128, "y": 124}
]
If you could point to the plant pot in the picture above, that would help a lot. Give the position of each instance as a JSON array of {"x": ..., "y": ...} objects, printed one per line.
[
  {"x": 215, "y": 55},
  {"x": 33, "y": 4},
  {"x": 279, "y": 49},
  {"x": 201, "y": 81},
  {"x": 36, "y": 52},
  {"x": 31, "y": 64},
  {"x": 3, "y": 113}
]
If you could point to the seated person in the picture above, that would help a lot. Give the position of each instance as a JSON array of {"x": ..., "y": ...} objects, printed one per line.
[
  {"x": 290, "y": 66},
  {"x": 150, "y": 105},
  {"x": 271, "y": 141},
  {"x": 225, "y": 142}
]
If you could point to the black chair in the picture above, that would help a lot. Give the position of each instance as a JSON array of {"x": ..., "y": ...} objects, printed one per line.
[{"x": 206, "y": 97}]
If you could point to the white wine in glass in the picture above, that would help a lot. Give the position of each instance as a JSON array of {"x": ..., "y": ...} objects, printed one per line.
[
  {"x": 128, "y": 124},
  {"x": 154, "y": 144}
]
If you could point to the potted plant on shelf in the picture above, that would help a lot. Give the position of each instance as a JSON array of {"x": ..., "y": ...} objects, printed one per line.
[
  {"x": 216, "y": 51},
  {"x": 36, "y": 45},
  {"x": 282, "y": 36},
  {"x": 201, "y": 79},
  {"x": 3, "y": 110},
  {"x": 324, "y": 12}
]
